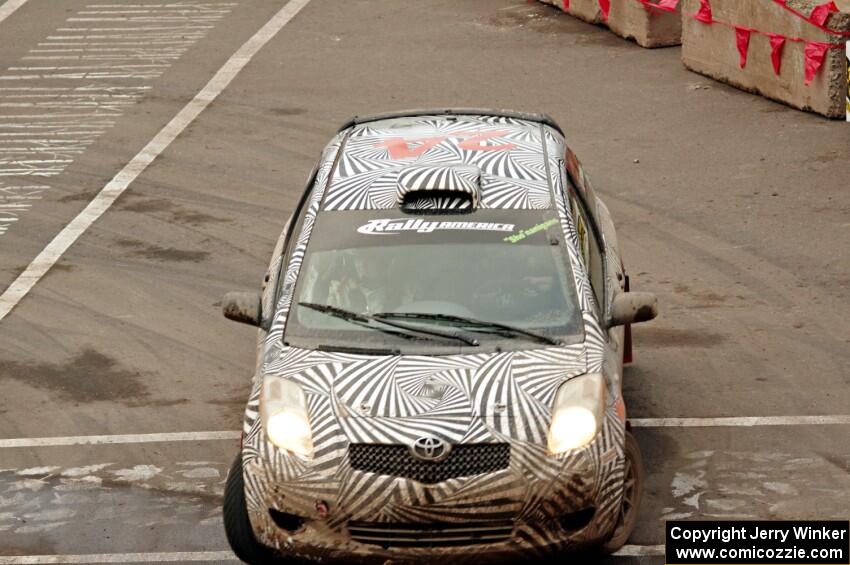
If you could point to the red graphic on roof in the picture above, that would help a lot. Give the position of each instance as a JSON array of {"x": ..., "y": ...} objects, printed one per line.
[{"x": 401, "y": 148}]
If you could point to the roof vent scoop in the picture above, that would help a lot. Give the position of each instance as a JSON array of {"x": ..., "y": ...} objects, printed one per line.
[{"x": 439, "y": 187}]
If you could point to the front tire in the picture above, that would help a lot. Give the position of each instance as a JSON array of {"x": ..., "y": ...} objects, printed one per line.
[
  {"x": 237, "y": 526},
  {"x": 633, "y": 478}
]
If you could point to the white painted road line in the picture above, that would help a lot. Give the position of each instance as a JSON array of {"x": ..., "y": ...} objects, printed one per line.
[
  {"x": 745, "y": 422},
  {"x": 640, "y": 551},
  {"x": 10, "y": 6},
  {"x": 627, "y": 551},
  {"x": 206, "y": 556},
  {"x": 741, "y": 422},
  {"x": 118, "y": 439},
  {"x": 48, "y": 257}
]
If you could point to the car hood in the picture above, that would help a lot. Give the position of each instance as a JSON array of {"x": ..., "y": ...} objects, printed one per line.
[{"x": 459, "y": 398}]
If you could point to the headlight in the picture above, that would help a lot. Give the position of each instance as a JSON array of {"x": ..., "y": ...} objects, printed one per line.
[
  {"x": 283, "y": 408},
  {"x": 577, "y": 414}
]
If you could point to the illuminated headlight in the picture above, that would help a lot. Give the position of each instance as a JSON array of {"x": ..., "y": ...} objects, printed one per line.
[
  {"x": 577, "y": 414},
  {"x": 283, "y": 409}
]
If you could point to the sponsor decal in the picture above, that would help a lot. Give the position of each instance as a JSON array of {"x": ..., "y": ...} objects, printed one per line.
[
  {"x": 519, "y": 236},
  {"x": 395, "y": 226}
]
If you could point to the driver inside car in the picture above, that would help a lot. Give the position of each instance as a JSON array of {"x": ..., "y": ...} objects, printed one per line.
[{"x": 356, "y": 288}]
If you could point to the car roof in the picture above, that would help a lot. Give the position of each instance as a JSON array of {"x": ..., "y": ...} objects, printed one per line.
[
  {"x": 514, "y": 156},
  {"x": 526, "y": 116}
]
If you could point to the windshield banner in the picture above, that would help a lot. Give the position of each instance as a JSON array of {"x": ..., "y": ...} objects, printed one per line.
[{"x": 394, "y": 226}]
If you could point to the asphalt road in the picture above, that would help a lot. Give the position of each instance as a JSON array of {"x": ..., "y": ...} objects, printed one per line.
[{"x": 733, "y": 209}]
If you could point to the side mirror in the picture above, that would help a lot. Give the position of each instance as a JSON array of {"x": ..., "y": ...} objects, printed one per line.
[
  {"x": 245, "y": 307},
  {"x": 633, "y": 308}
]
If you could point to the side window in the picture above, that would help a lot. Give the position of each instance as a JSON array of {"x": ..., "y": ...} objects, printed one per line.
[
  {"x": 590, "y": 247},
  {"x": 581, "y": 229},
  {"x": 291, "y": 232}
]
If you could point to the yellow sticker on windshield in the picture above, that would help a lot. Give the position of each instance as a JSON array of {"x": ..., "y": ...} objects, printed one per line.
[{"x": 519, "y": 236}]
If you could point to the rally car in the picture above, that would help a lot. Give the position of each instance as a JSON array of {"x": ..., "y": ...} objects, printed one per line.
[{"x": 440, "y": 359}]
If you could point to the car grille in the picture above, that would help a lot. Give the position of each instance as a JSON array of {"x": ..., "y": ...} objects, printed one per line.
[
  {"x": 464, "y": 460},
  {"x": 429, "y": 535}
]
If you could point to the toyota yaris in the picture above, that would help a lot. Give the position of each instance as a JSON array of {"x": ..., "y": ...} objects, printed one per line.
[{"x": 443, "y": 327}]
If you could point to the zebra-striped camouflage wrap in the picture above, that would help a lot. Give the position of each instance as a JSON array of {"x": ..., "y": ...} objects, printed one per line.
[{"x": 479, "y": 398}]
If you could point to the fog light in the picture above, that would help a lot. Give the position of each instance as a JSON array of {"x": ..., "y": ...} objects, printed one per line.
[
  {"x": 285, "y": 521},
  {"x": 576, "y": 521}
]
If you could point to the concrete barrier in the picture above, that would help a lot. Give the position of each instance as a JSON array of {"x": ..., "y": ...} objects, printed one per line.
[
  {"x": 629, "y": 19},
  {"x": 647, "y": 27},
  {"x": 711, "y": 49},
  {"x": 587, "y": 10}
]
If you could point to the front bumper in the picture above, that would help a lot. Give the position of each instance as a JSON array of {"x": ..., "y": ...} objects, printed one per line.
[
  {"x": 536, "y": 497},
  {"x": 316, "y": 541}
]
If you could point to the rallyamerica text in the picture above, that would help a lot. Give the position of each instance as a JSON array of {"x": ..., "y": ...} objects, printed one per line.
[{"x": 726, "y": 535}]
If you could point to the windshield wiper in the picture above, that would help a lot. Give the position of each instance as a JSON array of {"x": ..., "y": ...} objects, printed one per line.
[
  {"x": 477, "y": 325},
  {"x": 357, "y": 350},
  {"x": 365, "y": 320},
  {"x": 340, "y": 313}
]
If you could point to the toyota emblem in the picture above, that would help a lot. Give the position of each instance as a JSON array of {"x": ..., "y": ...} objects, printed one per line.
[{"x": 430, "y": 448}]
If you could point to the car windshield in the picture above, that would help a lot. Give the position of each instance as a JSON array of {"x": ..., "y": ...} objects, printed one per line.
[{"x": 506, "y": 267}]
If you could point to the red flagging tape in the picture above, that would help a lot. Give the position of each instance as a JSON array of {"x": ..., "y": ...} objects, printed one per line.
[
  {"x": 818, "y": 17},
  {"x": 663, "y": 5},
  {"x": 777, "y": 44},
  {"x": 704, "y": 15},
  {"x": 605, "y": 6},
  {"x": 822, "y": 12},
  {"x": 815, "y": 54},
  {"x": 742, "y": 38},
  {"x": 815, "y": 51}
]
